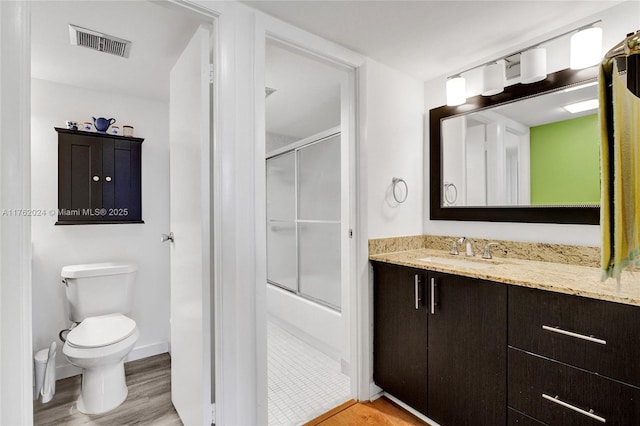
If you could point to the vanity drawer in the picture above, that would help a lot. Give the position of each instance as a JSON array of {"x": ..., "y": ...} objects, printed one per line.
[
  {"x": 558, "y": 394},
  {"x": 596, "y": 335}
]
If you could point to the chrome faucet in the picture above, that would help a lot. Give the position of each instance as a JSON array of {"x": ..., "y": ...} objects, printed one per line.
[
  {"x": 468, "y": 247},
  {"x": 487, "y": 251}
]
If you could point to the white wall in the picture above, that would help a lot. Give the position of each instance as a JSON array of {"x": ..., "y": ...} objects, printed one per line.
[
  {"x": 393, "y": 146},
  {"x": 616, "y": 23},
  {"x": 56, "y": 246}
]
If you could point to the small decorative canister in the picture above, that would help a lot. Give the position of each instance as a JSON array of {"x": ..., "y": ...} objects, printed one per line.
[
  {"x": 115, "y": 130},
  {"x": 87, "y": 126},
  {"x": 127, "y": 131}
]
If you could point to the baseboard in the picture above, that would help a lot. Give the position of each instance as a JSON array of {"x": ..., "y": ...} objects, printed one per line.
[
  {"x": 68, "y": 370},
  {"x": 147, "y": 350}
]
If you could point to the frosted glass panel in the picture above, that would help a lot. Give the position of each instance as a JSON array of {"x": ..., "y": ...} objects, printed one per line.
[
  {"x": 281, "y": 191},
  {"x": 320, "y": 261},
  {"x": 319, "y": 181},
  {"x": 281, "y": 254}
]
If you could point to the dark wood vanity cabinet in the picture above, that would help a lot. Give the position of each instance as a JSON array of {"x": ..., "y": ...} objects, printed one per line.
[
  {"x": 446, "y": 359},
  {"x": 400, "y": 333},
  {"x": 573, "y": 360},
  {"x": 99, "y": 178},
  {"x": 467, "y": 357}
]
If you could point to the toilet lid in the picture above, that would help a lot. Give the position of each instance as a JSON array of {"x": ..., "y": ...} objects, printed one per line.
[{"x": 104, "y": 330}]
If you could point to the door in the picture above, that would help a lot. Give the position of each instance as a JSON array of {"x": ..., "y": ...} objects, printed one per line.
[
  {"x": 190, "y": 160},
  {"x": 467, "y": 351},
  {"x": 400, "y": 333}
]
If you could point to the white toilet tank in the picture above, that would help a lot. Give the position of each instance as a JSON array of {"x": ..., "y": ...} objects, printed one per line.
[{"x": 99, "y": 289}]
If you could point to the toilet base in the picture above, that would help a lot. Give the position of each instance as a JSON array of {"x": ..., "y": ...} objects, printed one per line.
[{"x": 103, "y": 389}]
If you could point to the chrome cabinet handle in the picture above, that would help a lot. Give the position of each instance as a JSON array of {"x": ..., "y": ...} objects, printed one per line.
[
  {"x": 576, "y": 335},
  {"x": 433, "y": 296},
  {"x": 96, "y": 178},
  {"x": 589, "y": 413},
  {"x": 108, "y": 178},
  {"x": 416, "y": 290}
]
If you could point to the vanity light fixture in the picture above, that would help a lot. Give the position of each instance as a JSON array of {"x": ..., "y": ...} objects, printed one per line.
[
  {"x": 493, "y": 79},
  {"x": 456, "y": 91},
  {"x": 586, "y": 48},
  {"x": 582, "y": 106},
  {"x": 533, "y": 65}
]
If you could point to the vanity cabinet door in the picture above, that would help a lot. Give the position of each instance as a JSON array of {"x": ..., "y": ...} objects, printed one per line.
[
  {"x": 467, "y": 351},
  {"x": 400, "y": 333}
]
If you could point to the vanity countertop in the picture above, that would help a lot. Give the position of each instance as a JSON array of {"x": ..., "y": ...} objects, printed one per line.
[{"x": 561, "y": 278}]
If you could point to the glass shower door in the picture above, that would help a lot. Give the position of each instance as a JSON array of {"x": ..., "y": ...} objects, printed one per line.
[
  {"x": 303, "y": 214},
  {"x": 319, "y": 221},
  {"x": 282, "y": 267}
]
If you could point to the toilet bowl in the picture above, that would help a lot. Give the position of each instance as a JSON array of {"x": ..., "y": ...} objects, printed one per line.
[{"x": 99, "y": 346}]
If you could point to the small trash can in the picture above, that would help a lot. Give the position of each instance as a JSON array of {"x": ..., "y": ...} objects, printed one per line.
[{"x": 40, "y": 362}]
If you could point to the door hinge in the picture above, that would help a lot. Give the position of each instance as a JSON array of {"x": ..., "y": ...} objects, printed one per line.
[
  {"x": 350, "y": 233},
  {"x": 211, "y": 73},
  {"x": 213, "y": 414}
]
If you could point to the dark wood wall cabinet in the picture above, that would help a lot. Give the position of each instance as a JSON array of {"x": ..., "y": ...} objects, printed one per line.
[
  {"x": 99, "y": 178},
  {"x": 466, "y": 351}
]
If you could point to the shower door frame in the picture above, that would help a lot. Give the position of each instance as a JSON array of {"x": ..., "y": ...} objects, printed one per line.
[{"x": 295, "y": 148}]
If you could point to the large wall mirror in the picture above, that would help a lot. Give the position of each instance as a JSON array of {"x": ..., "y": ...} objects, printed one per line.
[{"x": 529, "y": 154}]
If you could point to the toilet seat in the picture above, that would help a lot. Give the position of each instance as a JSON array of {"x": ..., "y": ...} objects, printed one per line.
[{"x": 104, "y": 330}]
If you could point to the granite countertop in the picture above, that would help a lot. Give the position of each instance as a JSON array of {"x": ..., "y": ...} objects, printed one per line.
[{"x": 561, "y": 278}]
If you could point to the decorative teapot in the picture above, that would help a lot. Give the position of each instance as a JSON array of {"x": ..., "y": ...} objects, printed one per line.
[{"x": 102, "y": 124}]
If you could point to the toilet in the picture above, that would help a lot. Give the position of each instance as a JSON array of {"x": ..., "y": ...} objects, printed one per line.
[{"x": 99, "y": 296}]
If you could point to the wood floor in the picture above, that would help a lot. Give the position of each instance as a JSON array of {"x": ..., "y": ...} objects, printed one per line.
[
  {"x": 148, "y": 402},
  {"x": 381, "y": 412}
]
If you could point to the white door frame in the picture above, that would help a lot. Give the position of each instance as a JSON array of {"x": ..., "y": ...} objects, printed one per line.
[
  {"x": 269, "y": 28},
  {"x": 16, "y": 371}
]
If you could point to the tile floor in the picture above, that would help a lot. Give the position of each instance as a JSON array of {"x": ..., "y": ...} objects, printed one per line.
[{"x": 303, "y": 382}]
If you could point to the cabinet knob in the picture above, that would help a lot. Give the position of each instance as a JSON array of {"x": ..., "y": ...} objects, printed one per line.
[
  {"x": 96, "y": 178},
  {"x": 108, "y": 178}
]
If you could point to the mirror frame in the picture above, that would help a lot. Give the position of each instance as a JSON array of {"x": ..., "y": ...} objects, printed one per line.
[{"x": 589, "y": 215}]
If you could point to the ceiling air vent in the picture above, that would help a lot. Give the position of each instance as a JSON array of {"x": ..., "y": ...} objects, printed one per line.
[{"x": 98, "y": 41}]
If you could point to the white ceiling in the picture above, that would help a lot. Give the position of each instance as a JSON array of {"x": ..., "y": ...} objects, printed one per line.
[
  {"x": 428, "y": 39},
  {"x": 158, "y": 34},
  {"x": 307, "y": 96}
]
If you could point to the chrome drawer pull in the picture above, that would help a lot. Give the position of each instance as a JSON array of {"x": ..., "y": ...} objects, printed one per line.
[
  {"x": 574, "y": 408},
  {"x": 433, "y": 296},
  {"x": 416, "y": 290},
  {"x": 572, "y": 334}
]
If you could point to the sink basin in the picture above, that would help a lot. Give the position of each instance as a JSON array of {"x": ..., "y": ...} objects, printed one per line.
[{"x": 455, "y": 261}]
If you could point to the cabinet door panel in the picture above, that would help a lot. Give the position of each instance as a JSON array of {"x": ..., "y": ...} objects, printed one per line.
[
  {"x": 79, "y": 160},
  {"x": 532, "y": 376},
  {"x": 121, "y": 185},
  {"x": 467, "y": 352},
  {"x": 614, "y": 324},
  {"x": 400, "y": 334}
]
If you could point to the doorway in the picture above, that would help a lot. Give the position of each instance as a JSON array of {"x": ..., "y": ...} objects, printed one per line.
[
  {"x": 70, "y": 82},
  {"x": 307, "y": 234}
]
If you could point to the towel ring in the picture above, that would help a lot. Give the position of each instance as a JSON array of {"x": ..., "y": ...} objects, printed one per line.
[
  {"x": 448, "y": 196},
  {"x": 395, "y": 181}
]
